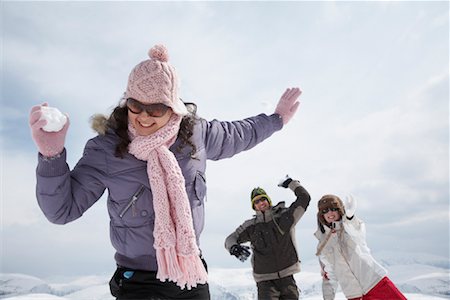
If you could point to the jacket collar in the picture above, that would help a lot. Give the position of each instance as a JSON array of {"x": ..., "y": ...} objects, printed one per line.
[{"x": 267, "y": 216}]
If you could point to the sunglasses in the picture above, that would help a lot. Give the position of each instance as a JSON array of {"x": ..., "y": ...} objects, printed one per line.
[
  {"x": 257, "y": 201},
  {"x": 324, "y": 211},
  {"x": 156, "y": 110}
]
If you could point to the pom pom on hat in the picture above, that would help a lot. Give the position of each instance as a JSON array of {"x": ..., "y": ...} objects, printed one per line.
[
  {"x": 159, "y": 52},
  {"x": 155, "y": 81}
]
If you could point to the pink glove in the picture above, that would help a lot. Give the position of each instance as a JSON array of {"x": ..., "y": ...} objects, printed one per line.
[
  {"x": 288, "y": 104},
  {"x": 49, "y": 144}
]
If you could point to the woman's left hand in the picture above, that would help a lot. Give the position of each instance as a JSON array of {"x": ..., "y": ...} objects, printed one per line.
[{"x": 288, "y": 104}]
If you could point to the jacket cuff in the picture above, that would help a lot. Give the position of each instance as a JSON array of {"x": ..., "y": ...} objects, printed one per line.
[
  {"x": 52, "y": 166},
  {"x": 277, "y": 120},
  {"x": 294, "y": 184}
]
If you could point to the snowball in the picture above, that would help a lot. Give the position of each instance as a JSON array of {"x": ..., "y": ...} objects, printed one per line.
[{"x": 55, "y": 119}]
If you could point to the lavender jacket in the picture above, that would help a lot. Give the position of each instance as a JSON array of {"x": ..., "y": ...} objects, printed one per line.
[{"x": 64, "y": 195}]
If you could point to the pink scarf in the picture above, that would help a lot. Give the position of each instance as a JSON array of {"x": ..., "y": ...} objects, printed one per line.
[{"x": 177, "y": 253}]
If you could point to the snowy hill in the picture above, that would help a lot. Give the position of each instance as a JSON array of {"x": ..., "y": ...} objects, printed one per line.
[
  {"x": 418, "y": 273},
  {"x": 13, "y": 284},
  {"x": 419, "y": 276}
]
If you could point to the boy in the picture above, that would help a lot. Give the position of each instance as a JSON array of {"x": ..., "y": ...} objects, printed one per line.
[{"x": 271, "y": 233}]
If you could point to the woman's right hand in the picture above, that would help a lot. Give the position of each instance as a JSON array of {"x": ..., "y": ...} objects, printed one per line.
[{"x": 49, "y": 144}]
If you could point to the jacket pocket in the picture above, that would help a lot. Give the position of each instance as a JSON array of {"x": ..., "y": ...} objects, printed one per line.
[
  {"x": 134, "y": 211},
  {"x": 132, "y": 203},
  {"x": 200, "y": 187}
]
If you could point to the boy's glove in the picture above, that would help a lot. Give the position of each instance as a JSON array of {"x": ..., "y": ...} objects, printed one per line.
[
  {"x": 241, "y": 252},
  {"x": 288, "y": 104},
  {"x": 49, "y": 144},
  {"x": 284, "y": 182}
]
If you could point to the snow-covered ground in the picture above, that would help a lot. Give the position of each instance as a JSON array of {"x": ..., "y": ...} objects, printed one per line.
[{"x": 419, "y": 276}]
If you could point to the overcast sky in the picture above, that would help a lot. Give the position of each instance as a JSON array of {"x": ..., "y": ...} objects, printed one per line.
[{"x": 373, "y": 119}]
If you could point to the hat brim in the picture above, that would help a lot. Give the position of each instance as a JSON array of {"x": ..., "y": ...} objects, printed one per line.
[{"x": 259, "y": 197}]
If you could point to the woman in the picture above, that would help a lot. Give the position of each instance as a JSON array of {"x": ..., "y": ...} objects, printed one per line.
[
  {"x": 344, "y": 256},
  {"x": 150, "y": 155}
]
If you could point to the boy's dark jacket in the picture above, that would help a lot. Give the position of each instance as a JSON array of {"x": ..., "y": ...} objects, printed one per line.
[{"x": 272, "y": 237}]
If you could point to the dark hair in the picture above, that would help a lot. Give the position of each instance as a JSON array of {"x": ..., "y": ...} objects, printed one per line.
[{"x": 118, "y": 121}]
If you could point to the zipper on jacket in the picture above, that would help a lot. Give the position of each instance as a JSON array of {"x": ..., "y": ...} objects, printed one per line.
[
  {"x": 281, "y": 231},
  {"x": 132, "y": 201}
]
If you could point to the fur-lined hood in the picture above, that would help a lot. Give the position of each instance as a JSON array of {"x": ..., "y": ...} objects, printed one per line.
[{"x": 99, "y": 123}]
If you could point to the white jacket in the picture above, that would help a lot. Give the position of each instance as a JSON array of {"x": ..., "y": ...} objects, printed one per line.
[{"x": 346, "y": 259}]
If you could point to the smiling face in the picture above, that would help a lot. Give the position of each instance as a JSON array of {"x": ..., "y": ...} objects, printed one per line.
[
  {"x": 332, "y": 216},
  {"x": 261, "y": 204},
  {"x": 331, "y": 209},
  {"x": 143, "y": 120}
]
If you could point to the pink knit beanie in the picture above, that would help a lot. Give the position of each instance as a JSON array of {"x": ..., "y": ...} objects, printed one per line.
[{"x": 155, "y": 81}]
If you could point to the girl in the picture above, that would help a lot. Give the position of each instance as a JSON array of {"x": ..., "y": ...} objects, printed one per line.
[{"x": 344, "y": 256}]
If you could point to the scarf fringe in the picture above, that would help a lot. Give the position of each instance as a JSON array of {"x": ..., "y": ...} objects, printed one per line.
[
  {"x": 168, "y": 267},
  {"x": 193, "y": 271},
  {"x": 185, "y": 271}
]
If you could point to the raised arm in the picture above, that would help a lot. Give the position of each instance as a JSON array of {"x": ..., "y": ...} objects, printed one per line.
[
  {"x": 224, "y": 139},
  {"x": 298, "y": 207}
]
